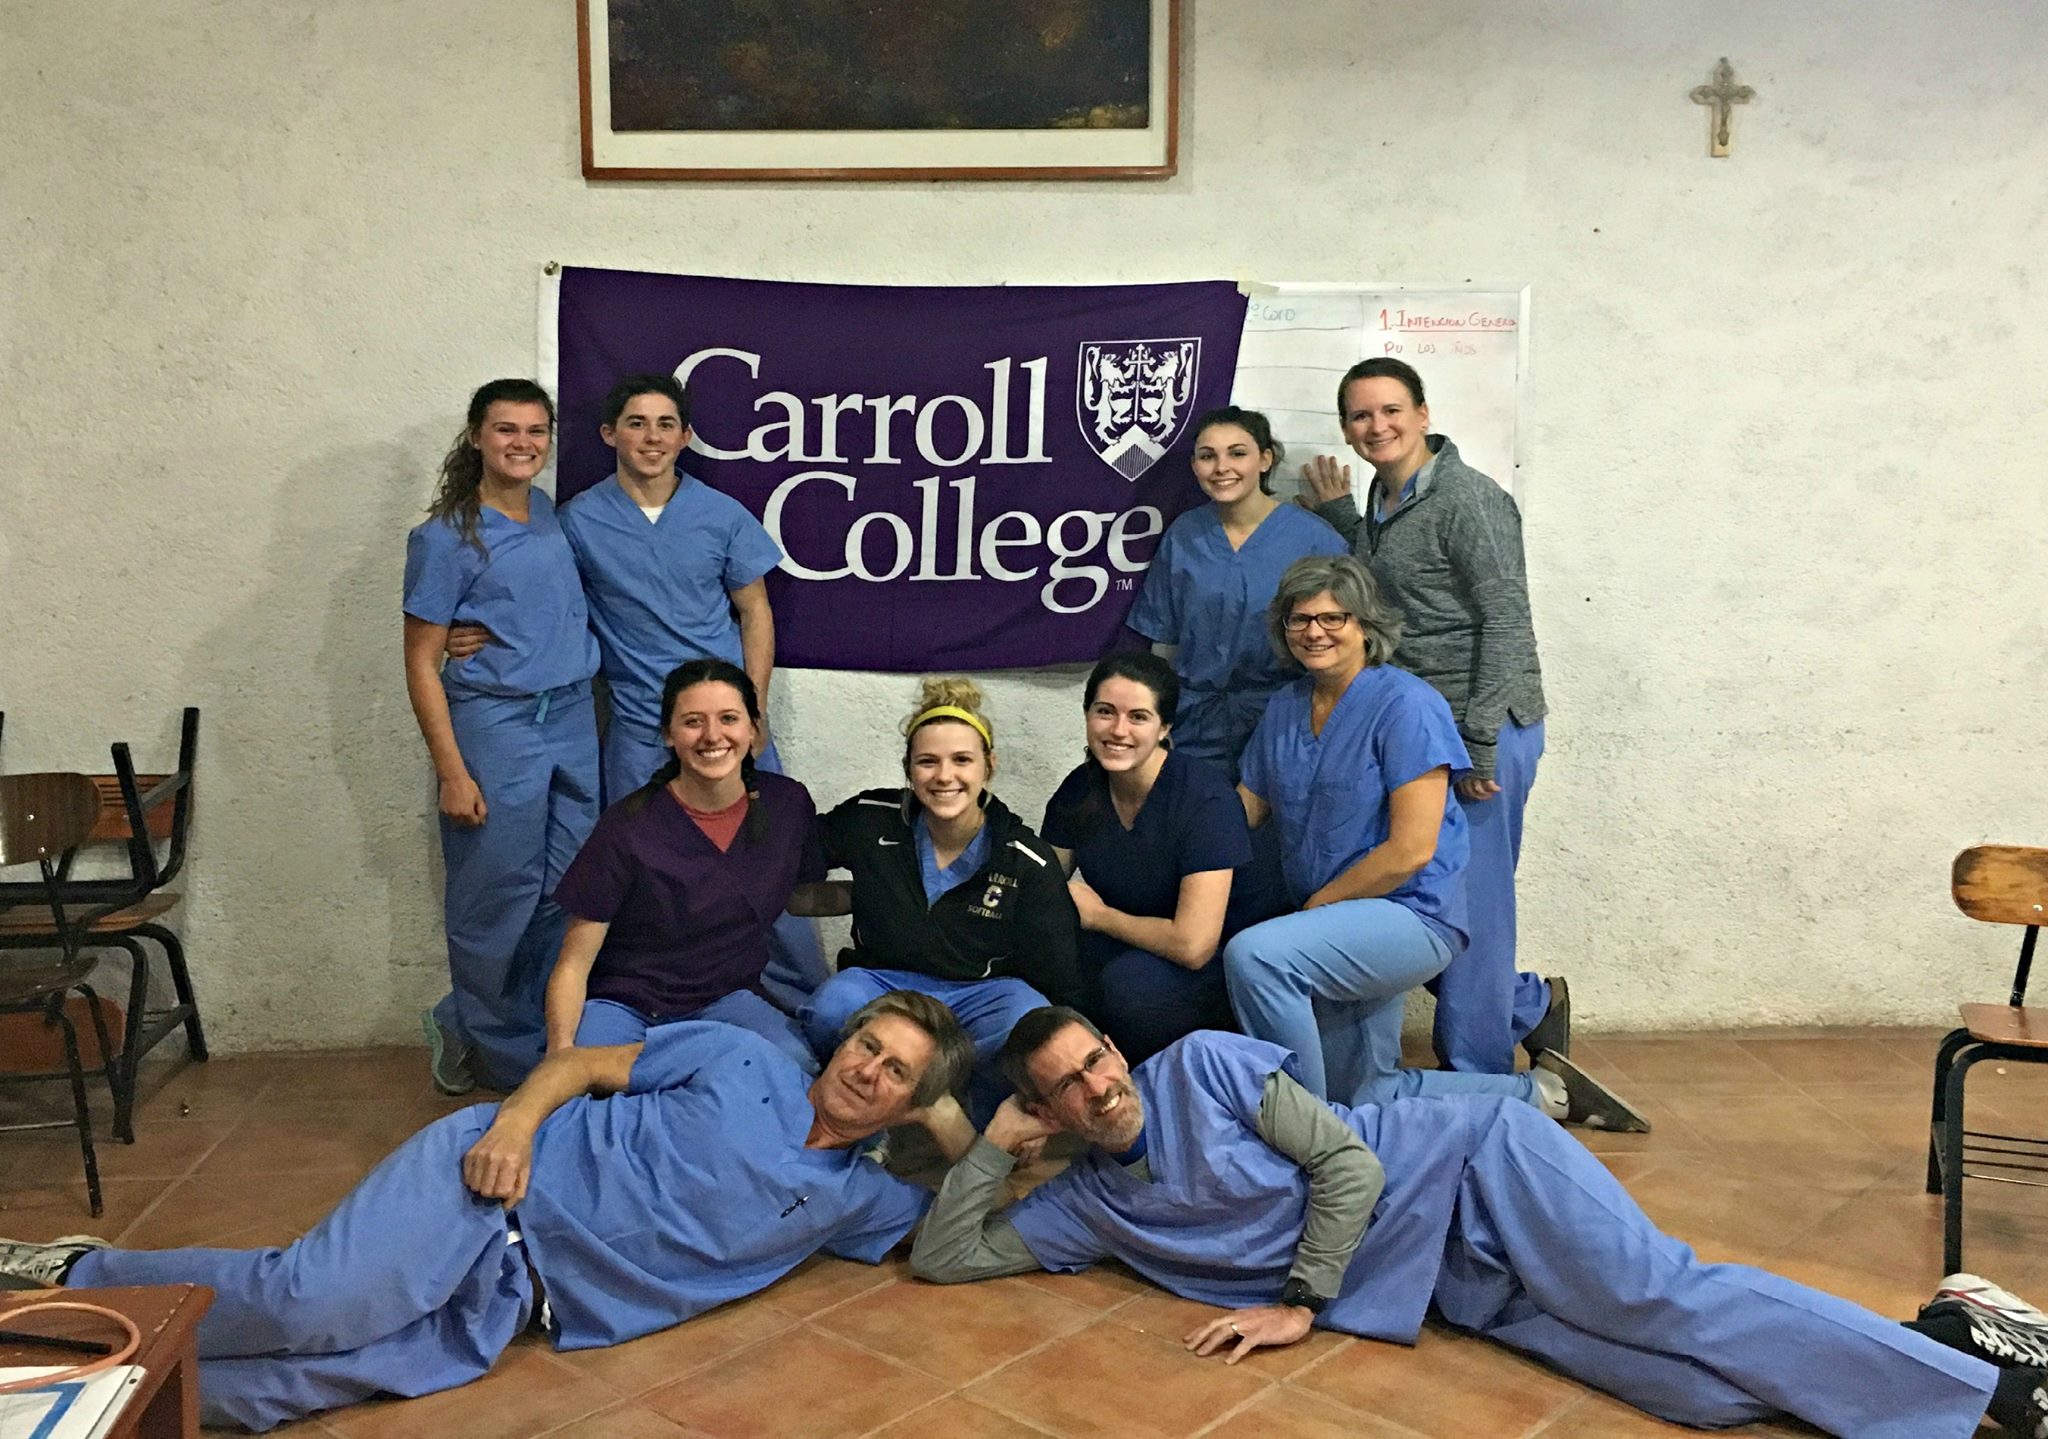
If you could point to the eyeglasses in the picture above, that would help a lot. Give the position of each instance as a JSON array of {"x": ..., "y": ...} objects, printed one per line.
[
  {"x": 1331, "y": 621},
  {"x": 1092, "y": 1065}
]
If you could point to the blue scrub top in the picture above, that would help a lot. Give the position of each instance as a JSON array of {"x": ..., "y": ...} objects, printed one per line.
[
  {"x": 524, "y": 590},
  {"x": 938, "y": 879},
  {"x": 659, "y": 590},
  {"x": 1223, "y": 1212},
  {"x": 694, "y": 1187},
  {"x": 1211, "y": 601},
  {"x": 1329, "y": 792},
  {"x": 1191, "y": 823}
]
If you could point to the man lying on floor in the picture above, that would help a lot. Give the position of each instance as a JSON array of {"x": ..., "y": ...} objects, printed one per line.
[
  {"x": 713, "y": 1168},
  {"x": 1214, "y": 1174}
]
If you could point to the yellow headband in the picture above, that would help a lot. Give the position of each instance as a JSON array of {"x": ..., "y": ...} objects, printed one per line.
[{"x": 966, "y": 717}]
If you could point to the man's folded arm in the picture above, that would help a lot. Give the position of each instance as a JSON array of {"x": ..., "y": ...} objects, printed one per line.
[
  {"x": 962, "y": 1239},
  {"x": 1344, "y": 1180},
  {"x": 500, "y": 1164}
]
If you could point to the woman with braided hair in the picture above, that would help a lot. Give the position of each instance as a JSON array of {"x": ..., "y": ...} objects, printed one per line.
[{"x": 510, "y": 728}]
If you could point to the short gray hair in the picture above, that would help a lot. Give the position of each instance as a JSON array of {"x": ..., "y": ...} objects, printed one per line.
[
  {"x": 1352, "y": 586},
  {"x": 952, "y": 1050},
  {"x": 1031, "y": 1034}
]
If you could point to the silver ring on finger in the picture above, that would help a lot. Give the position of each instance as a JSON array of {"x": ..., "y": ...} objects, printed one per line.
[{"x": 1235, "y": 1330}]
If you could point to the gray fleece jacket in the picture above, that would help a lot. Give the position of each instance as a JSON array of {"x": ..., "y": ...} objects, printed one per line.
[{"x": 1450, "y": 560}]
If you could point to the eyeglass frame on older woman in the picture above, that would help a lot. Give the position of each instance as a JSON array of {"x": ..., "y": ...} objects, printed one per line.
[
  {"x": 1331, "y": 620},
  {"x": 1345, "y": 581}
]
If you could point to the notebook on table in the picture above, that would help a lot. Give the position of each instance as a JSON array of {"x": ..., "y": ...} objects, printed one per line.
[{"x": 76, "y": 1409}]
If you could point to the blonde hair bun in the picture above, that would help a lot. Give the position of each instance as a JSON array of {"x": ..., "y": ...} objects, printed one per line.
[{"x": 949, "y": 692}]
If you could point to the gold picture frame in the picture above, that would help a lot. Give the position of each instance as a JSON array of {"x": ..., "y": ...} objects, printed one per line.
[{"x": 803, "y": 101}]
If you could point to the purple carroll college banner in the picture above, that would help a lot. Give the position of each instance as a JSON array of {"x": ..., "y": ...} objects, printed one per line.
[{"x": 959, "y": 478}]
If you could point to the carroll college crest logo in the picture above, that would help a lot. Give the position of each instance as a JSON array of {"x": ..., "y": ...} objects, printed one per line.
[{"x": 1132, "y": 398}]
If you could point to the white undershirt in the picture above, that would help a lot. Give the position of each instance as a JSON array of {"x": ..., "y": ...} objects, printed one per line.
[{"x": 653, "y": 512}]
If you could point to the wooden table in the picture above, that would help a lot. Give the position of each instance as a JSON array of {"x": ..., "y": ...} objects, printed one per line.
[{"x": 166, "y": 1405}]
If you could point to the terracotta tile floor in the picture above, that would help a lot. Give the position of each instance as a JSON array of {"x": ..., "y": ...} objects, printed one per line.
[{"x": 1802, "y": 1151}]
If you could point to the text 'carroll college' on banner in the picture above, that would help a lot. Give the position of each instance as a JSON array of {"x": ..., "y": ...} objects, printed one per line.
[{"x": 959, "y": 477}]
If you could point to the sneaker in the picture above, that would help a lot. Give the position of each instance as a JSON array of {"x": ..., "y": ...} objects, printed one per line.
[
  {"x": 447, "y": 1057},
  {"x": 1985, "y": 1294},
  {"x": 45, "y": 1263},
  {"x": 1998, "y": 1327},
  {"x": 1588, "y": 1101},
  {"x": 1554, "y": 1030}
]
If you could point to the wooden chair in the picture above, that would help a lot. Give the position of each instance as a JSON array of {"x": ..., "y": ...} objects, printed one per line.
[
  {"x": 140, "y": 813},
  {"x": 1999, "y": 884},
  {"x": 43, "y": 820}
]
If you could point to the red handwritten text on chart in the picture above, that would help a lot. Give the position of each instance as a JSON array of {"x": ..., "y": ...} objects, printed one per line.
[
  {"x": 1429, "y": 347},
  {"x": 1417, "y": 321}
]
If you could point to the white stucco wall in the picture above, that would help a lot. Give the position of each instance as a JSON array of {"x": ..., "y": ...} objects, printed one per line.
[{"x": 1786, "y": 503}]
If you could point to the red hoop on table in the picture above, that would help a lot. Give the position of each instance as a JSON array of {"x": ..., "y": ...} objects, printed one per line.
[{"x": 67, "y": 1374}]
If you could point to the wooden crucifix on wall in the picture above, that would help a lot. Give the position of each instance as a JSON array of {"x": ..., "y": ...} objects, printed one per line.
[{"x": 1722, "y": 94}]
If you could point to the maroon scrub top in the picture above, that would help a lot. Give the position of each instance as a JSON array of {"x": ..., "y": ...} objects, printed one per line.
[{"x": 689, "y": 923}]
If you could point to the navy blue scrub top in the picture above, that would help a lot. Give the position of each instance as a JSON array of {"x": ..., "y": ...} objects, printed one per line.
[{"x": 1192, "y": 822}]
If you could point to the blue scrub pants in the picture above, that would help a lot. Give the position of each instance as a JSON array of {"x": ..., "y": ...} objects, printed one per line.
[
  {"x": 632, "y": 754},
  {"x": 1483, "y": 1004},
  {"x": 1547, "y": 1253},
  {"x": 1328, "y": 984},
  {"x": 796, "y": 958},
  {"x": 409, "y": 1286},
  {"x": 1215, "y": 727},
  {"x": 606, "y": 1021},
  {"x": 1149, "y": 1002},
  {"x": 988, "y": 1009},
  {"x": 535, "y": 759}
]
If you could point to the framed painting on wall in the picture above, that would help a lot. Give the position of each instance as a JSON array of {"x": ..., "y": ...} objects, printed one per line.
[{"x": 895, "y": 90}]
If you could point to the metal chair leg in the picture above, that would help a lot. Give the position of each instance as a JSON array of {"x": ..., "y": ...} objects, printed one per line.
[
  {"x": 1952, "y": 1160},
  {"x": 79, "y": 1106},
  {"x": 181, "y": 985},
  {"x": 1944, "y": 1060},
  {"x": 131, "y": 1040},
  {"x": 109, "y": 1067}
]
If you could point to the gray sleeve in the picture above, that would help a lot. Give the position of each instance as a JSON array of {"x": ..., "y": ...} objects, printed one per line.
[
  {"x": 960, "y": 1239},
  {"x": 1342, "y": 515},
  {"x": 1485, "y": 549},
  {"x": 1344, "y": 1180}
]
